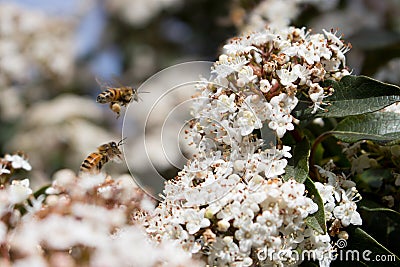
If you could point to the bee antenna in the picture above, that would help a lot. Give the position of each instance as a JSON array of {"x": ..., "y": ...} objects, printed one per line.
[{"x": 121, "y": 142}]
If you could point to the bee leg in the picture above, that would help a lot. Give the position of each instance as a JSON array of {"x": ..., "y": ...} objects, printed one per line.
[{"x": 116, "y": 107}]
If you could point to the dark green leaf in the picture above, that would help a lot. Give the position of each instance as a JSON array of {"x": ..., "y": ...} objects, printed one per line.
[
  {"x": 312, "y": 222},
  {"x": 316, "y": 220},
  {"x": 381, "y": 127},
  {"x": 298, "y": 165},
  {"x": 353, "y": 95},
  {"x": 394, "y": 215}
]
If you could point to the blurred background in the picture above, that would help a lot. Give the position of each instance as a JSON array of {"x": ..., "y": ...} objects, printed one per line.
[{"x": 51, "y": 51}]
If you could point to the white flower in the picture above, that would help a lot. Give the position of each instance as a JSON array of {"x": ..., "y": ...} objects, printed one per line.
[
  {"x": 321, "y": 47},
  {"x": 226, "y": 103},
  {"x": 331, "y": 65},
  {"x": 256, "y": 104},
  {"x": 302, "y": 72},
  {"x": 230, "y": 211},
  {"x": 310, "y": 206},
  {"x": 245, "y": 76},
  {"x": 284, "y": 103},
  {"x": 326, "y": 192},
  {"x": 19, "y": 191},
  {"x": 280, "y": 153},
  {"x": 271, "y": 219},
  {"x": 308, "y": 53},
  {"x": 195, "y": 220},
  {"x": 317, "y": 94},
  {"x": 247, "y": 122},
  {"x": 292, "y": 193},
  {"x": 237, "y": 48},
  {"x": 274, "y": 167},
  {"x": 287, "y": 77},
  {"x": 332, "y": 37},
  {"x": 347, "y": 213},
  {"x": 225, "y": 250},
  {"x": 281, "y": 124},
  {"x": 18, "y": 162},
  {"x": 35, "y": 204},
  {"x": 252, "y": 234},
  {"x": 228, "y": 65},
  {"x": 265, "y": 86}
]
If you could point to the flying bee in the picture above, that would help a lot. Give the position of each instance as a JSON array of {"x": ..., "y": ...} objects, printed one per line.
[
  {"x": 116, "y": 96},
  {"x": 96, "y": 160}
]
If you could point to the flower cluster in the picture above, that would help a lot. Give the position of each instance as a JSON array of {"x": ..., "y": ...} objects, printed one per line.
[
  {"x": 231, "y": 202},
  {"x": 267, "y": 71},
  {"x": 79, "y": 221},
  {"x": 252, "y": 218},
  {"x": 339, "y": 196}
]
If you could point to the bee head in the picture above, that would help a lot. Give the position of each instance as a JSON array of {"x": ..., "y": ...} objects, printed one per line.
[
  {"x": 116, "y": 152},
  {"x": 109, "y": 147},
  {"x": 113, "y": 148}
]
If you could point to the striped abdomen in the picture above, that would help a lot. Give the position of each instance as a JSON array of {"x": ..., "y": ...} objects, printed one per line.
[
  {"x": 94, "y": 162},
  {"x": 110, "y": 95}
]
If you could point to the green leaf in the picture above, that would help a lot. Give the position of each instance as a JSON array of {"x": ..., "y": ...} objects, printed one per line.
[
  {"x": 394, "y": 215},
  {"x": 355, "y": 95},
  {"x": 316, "y": 220},
  {"x": 298, "y": 167},
  {"x": 312, "y": 222},
  {"x": 382, "y": 128},
  {"x": 362, "y": 242}
]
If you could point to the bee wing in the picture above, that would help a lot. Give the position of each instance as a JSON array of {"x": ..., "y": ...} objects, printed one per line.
[
  {"x": 117, "y": 84},
  {"x": 116, "y": 81},
  {"x": 104, "y": 84}
]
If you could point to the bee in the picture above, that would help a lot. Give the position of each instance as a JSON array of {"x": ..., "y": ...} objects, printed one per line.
[
  {"x": 96, "y": 160},
  {"x": 116, "y": 96}
]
